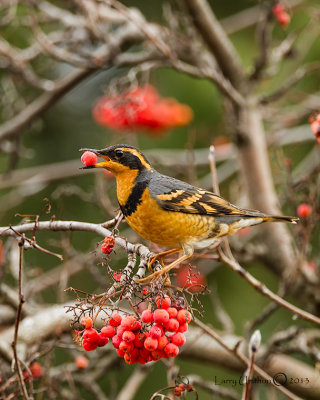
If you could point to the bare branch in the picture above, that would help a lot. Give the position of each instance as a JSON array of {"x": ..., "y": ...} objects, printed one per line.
[{"x": 217, "y": 41}]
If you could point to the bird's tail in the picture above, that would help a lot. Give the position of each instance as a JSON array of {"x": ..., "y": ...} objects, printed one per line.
[{"x": 281, "y": 218}]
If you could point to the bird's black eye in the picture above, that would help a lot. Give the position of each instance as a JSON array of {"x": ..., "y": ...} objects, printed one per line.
[{"x": 119, "y": 153}]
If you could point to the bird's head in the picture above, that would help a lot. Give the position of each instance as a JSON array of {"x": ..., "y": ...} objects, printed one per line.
[{"x": 120, "y": 158}]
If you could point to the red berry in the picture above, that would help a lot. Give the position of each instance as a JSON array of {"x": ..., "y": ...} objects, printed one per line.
[
  {"x": 110, "y": 241},
  {"x": 163, "y": 302},
  {"x": 304, "y": 210},
  {"x": 189, "y": 388},
  {"x": 184, "y": 316},
  {"x": 115, "y": 320},
  {"x": 126, "y": 346},
  {"x": 36, "y": 370},
  {"x": 116, "y": 340},
  {"x": 145, "y": 291},
  {"x": 283, "y": 19},
  {"x": 102, "y": 341},
  {"x": 86, "y": 322},
  {"x": 315, "y": 127},
  {"x": 171, "y": 350},
  {"x": 277, "y": 9},
  {"x": 178, "y": 339},
  {"x": 157, "y": 354},
  {"x": 90, "y": 335},
  {"x": 120, "y": 330},
  {"x": 138, "y": 341},
  {"x": 81, "y": 362},
  {"x": 172, "y": 325},
  {"x": 128, "y": 336},
  {"x": 120, "y": 353},
  {"x": 190, "y": 278},
  {"x": 127, "y": 358},
  {"x": 117, "y": 277},
  {"x": 128, "y": 322},
  {"x": 177, "y": 392},
  {"x": 145, "y": 354},
  {"x": 147, "y": 316},
  {"x": 160, "y": 327},
  {"x": 88, "y": 158},
  {"x": 105, "y": 248},
  {"x": 136, "y": 326},
  {"x": 162, "y": 342},
  {"x": 183, "y": 327},
  {"x": 172, "y": 311},
  {"x": 150, "y": 343},
  {"x": 89, "y": 346},
  {"x": 156, "y": 332},
  {"x": 160, "y": 316},
  {"x": 108, "y": 331}
]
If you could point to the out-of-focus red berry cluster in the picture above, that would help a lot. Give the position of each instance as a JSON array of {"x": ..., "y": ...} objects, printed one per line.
[
  {"x": 280, "y": 12},
  {"x": 108, "y": 244},
  {"x": 157, "y": 334},
  {"x": 141, "y": 108},
  {"x": 315, "y": 125},
  {"x": 191, "y": 279}
]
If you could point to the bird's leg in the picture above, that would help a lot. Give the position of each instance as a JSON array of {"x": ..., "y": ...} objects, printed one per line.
[
  {"x": 160, "y": 257},
  {"x": 188, "y": 251}
]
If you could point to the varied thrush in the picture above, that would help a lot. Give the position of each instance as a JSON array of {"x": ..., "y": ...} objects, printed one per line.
[{"x": 169, "y": 212}]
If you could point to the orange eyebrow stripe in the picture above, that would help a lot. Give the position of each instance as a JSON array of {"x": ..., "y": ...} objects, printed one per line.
[{"x": 137, "y": 154}]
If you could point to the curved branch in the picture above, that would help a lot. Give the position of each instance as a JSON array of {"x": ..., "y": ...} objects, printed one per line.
[
  {"x": 33, "y": 110},
  {"x": 99, "y": 229}
]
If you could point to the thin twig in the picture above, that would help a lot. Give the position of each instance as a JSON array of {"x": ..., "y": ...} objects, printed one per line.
[
  {"x": 16, "y": 327},
  {"x": 261, "y": 288},
  {"x": 291, "y": 81}
]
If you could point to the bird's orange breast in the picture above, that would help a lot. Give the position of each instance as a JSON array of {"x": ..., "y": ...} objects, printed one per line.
[{"x": 168, "y": 228}]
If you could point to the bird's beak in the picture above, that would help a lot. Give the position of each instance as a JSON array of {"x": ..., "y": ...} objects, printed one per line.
[{"x": 102, "y": 164}]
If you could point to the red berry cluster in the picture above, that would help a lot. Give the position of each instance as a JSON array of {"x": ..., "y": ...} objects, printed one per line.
[
  {"x": 178, "y": 390},
  {"x": 141, "y": 108},
  {"x": 279, "y": 11},
  {"x": 315, "y": 126},
  {"x": 158, "y": 334},
  {"x": 108, "y": 244},
  {"x": 88, "y": 158}
]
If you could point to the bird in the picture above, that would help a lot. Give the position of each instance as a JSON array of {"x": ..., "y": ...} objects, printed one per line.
[{"x": 170, "y": 212}]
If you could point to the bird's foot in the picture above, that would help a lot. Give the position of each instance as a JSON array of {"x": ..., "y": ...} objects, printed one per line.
[
  {"x": 159, "y": 257},
  {"x": 163, "y": 271}
]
